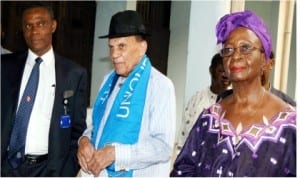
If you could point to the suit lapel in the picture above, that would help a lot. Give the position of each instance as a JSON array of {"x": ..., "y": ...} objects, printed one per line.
[
  {"x": 55, "y": 137},
  {"x": 60, "y": 75},
  {"x": 16, "y": 79}
]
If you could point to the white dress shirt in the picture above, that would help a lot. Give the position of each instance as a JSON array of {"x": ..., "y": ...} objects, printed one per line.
[
  {"x": 39, "y": 123},
  {"x": 150, "y": 156}
]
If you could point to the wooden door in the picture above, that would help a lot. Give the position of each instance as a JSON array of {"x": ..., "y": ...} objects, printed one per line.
[{"x": 156, "y": 15}]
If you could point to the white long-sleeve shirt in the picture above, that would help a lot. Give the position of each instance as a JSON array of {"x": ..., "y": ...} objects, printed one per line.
[
  {"x": 200, "y": 100},
  {"x": 39, "y": 123},
  {"x": 151, "y": 155}
]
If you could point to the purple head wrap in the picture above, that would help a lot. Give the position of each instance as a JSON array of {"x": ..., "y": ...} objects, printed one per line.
[{"x": 248, "y": 20}]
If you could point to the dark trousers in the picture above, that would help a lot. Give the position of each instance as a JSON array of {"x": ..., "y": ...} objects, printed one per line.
[{"x": 26, "y": 169}]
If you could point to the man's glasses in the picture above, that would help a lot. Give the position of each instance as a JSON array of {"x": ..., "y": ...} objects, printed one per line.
[{"x": 243, "y": 50}]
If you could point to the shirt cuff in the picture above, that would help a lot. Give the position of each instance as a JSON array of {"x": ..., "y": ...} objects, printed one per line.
[
  {"x": 122, "y": 157},
  {"x": 87, "y": 133}
]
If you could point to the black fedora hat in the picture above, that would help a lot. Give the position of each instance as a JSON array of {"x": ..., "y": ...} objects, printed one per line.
[{"x": 126, "y": 23}]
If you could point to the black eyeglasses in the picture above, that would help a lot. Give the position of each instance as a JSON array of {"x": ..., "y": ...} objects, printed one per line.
[{"x": 243, "y": 50}]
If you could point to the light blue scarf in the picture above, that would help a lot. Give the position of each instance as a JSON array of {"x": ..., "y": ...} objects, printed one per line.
[{"x": 125, "y": 117}]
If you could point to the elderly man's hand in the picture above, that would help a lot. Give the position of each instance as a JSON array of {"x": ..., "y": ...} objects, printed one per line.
[
  {"x": 85, "y": 153},
  {"x": 101, "y": 159}
]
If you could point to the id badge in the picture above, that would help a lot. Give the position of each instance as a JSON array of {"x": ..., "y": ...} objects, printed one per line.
[{"x": 65, "y": 121}]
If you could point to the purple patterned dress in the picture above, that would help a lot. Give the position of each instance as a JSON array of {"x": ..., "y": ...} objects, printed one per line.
[{"x": 213, "y": 148}]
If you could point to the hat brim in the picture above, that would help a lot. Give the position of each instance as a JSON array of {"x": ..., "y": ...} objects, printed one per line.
[{"x": 123, "y": 35}]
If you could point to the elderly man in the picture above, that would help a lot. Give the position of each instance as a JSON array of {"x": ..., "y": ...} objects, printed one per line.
[{"x": 133, "y": 118}]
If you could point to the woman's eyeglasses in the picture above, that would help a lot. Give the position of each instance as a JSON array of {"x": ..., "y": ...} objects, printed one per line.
[{"x": 243, "y": 50}]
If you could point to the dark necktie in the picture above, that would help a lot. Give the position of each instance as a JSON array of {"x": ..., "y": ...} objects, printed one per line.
[{"x": 17, "y": 140}]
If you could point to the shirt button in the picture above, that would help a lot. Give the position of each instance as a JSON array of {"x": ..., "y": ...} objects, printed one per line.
[{"x": 123, "y": 168}]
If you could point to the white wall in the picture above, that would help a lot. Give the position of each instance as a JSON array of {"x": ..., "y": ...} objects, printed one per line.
[
  {"x": 269, "y": 11},
  {"x": 202, "y": 43},
  {"x": 178, "y": 51},
  {"x": 101, "y": 61},
  {"x": 192, "y": 45}
]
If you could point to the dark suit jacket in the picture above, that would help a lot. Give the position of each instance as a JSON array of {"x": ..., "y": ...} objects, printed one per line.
[{"x": 62, "y": 150}]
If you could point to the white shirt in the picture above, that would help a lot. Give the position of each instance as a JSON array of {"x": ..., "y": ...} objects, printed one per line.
[
  {"x": 39, "y": 123},
  {"x": 202, "y": 99},
  {"x": 151, "y": 155}
]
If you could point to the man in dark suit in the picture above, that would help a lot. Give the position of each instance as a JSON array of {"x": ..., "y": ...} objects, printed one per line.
[{"x": 58, "y": 114}]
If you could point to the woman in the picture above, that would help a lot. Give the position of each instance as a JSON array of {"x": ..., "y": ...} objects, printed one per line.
[{"x": 251, "y": 132}]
